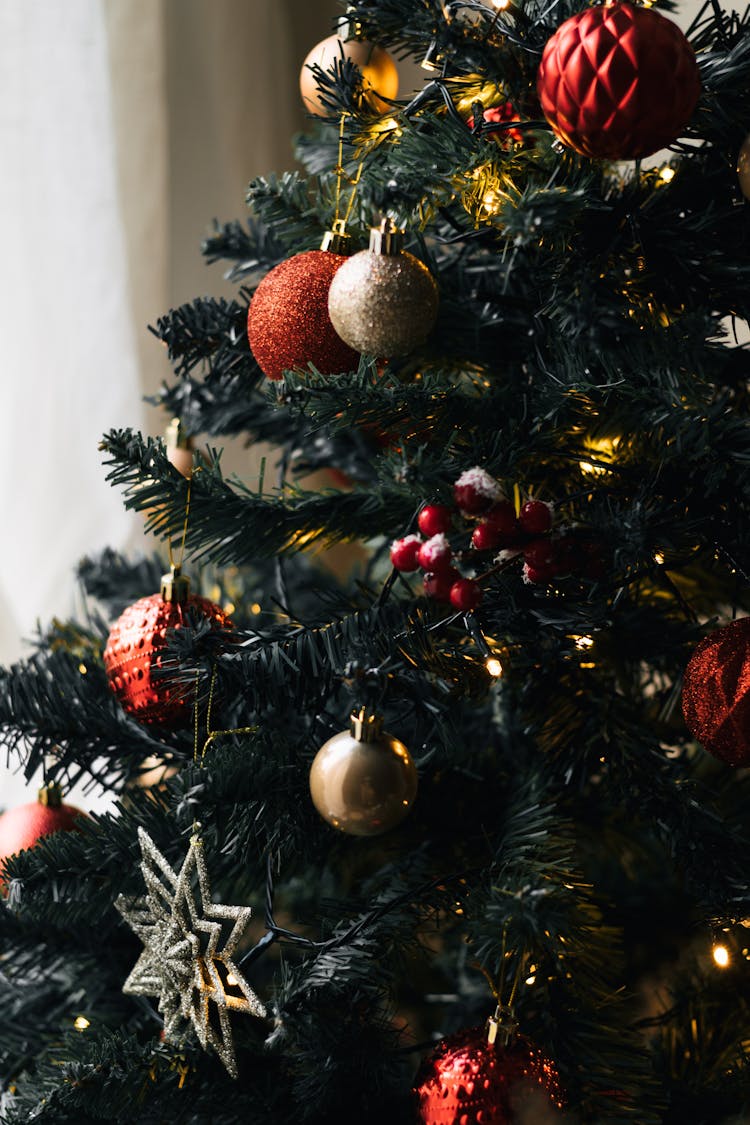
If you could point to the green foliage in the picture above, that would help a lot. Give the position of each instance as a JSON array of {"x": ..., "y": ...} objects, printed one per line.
[{"x": 570, "y": 845}]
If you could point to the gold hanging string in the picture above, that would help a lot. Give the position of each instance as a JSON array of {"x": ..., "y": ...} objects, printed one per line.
[
  {"x": 184, "y": 528},
  {"x": 338, "y": 223},
  {"x": 212, "y": 735}
]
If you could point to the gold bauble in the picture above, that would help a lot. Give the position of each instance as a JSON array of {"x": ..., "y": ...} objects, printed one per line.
[
  {"x": 387, "y": 303},
  {"x": 743, "y": 167},
  {"x": 363, "y": 780},
  {"x": 379, "y": 74}
]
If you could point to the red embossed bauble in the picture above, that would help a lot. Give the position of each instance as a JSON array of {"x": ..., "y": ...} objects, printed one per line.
[
  {"x": 288, "y": 325},
  {"x": 716, "y": 693},
  {"x": 467, "y": 1081},
  {"x": 134, "y": 653},
  {"x": 618, "y": 82},
  {"x": 23, "y": 826}
]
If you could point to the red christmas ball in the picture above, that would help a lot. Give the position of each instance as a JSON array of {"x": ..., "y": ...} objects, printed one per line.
[
  {"x": 134, "y": 653},
  {"x": 438, "y": 586},
  {"x": 475, "y": 491},
  {"x": 405, "y": 552},
  {"x": 535, "y": 517},
  {"x": 618, "y": 82},
  {"x": 435, "y": 519},
  {"x": 465, "y": 595},
  {"x": 468, "y": 1081},
  {"x": 24, "y": 825},
  {"x": 435, "y": 554},
  {"x": 288, "y": 325},
  {"x": 716, "y": 693}
]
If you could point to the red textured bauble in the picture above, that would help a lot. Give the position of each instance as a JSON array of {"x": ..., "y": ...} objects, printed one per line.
[
  {"x": 435, "y": 519},
  {"x": 465, "y": 595},
  {"x": 618, "y": 82},
  {"x": 405, "y": 552},
  {"x": 288, "y": 325},
  {"x": 24, "y": 825},
  {"x": 716, "y": 693},
  {"x": 468, "y": 1081},
  {"x": 134, "y": 652}
]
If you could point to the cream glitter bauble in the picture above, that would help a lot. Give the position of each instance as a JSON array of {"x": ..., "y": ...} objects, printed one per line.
[
  {"x": 383, "y": 303},
  {"x": 379, "y": 74}
]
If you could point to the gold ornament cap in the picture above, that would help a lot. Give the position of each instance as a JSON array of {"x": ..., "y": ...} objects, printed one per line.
[
  {"x": 365, "y": 726},
  {"x": 175, "y": 586},
  {"x": 336, "y": 240},
  {"x": 386, "y": 239},
  {"x": 176, "y": 436},
  {"x": 50, "y": 795}
]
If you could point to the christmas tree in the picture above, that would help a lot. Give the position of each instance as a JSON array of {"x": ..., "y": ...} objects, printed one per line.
[{"x": 459, "y": 834}]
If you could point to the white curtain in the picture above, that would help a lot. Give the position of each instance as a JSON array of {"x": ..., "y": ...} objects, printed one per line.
[{"x": 125, "y": 127}]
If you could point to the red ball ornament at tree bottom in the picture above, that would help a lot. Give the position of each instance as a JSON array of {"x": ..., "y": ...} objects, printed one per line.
[
  {"x": 618, "y": 82},
  {"x": 288, "y": 326},
  {"x": 468, "y": 1081},
  {"x": 23, "y": 826},
  {"x": 716, "y": 693},
  {"x": 135, "y": 649}
]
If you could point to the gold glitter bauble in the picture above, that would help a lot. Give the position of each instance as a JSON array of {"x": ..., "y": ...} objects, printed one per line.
[
  {"x": 383, "y": 304},
  {"x": 363, "y": 785},
  {"x": 379, "y": 74},
  {"x": 743, "y": 167}
]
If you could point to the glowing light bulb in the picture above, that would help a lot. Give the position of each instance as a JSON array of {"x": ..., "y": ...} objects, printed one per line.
[
  {"x": 659, "y": 557},
  {"x": 500, "y": 5},
  {"x": 720, "y": 956},
  {"x": 256, "y": 608},
  {"x": 493, "y": 666},
  {"x": 666, "y": 174},
  {"x": 583, "y": 642},
  {"x": 232, "y": 980},
  {"x": 80, "y": 1023}
]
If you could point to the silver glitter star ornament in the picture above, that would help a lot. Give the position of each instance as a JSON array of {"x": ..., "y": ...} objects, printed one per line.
[{"x": 186, "y": 961}]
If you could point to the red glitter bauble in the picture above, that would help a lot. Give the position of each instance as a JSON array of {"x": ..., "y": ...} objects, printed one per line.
[
  {"x": 716, "y": 693},
  {"x": 135, "y": 651},
  {"x": 288, "y": 325},
  {"x": 467, "y": 1081},
  {"x": 23, "y": 826},
  {"x": 618, "y": 82}
]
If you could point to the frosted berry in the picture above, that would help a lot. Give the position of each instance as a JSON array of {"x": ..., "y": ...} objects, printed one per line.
[
  {"x": 434, "y": 519},
  {"x": 435, "y": 554},
  {"x": 485, "y": 537},
  {"x": 466, "y": 594},
  {"x": 404, "y": 552},
  {"x": 538, "y": 575},
  {"x": 502, "y": 516},
  {"x": 541, "y": 553},
  {"x": 535, "y": 517},
  {"x": 438, "y": 586},
  {"x": 475, "y": 491}
]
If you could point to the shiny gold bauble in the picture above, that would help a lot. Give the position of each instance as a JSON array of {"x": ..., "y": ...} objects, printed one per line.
[
  {"x": 363, "y": 787},
  {"x": 387, "y": 303},
  {"x": 379, "y": 74},
  {"x": 743, "y": 167}
]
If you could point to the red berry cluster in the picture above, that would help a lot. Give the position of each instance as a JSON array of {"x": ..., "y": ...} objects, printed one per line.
[{"x": 498, "y": 528}]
